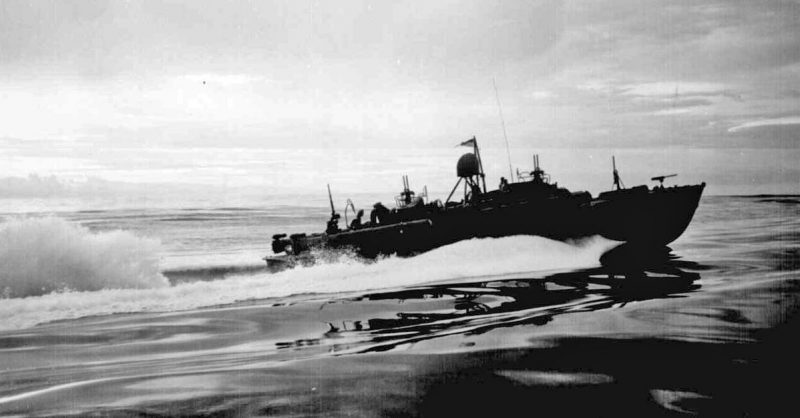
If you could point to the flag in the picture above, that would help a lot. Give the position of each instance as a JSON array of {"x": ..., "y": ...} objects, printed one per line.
[{"x": 469, "y": 143}]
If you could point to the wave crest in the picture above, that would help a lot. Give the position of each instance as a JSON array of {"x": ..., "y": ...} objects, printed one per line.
[{"x": 43, "y": 255}]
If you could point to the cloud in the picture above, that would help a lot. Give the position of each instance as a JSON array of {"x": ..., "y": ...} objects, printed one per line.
[
  {"x": 35, "y": 186},
  {"x": 789, "y": 120},
  {"x": 665, "y": 88},
  {"x": 102, "y": 78},
  {"x": 224, "y": 79},
  {"x": 131, "y": 193},
  {"x": 542, "y": 95}
]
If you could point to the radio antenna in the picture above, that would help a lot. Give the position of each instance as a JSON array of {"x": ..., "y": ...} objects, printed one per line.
[{"x": 503, "y": 122}]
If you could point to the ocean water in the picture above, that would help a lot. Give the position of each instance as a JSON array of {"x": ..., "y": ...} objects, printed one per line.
[{"x": 172, "y": 312}]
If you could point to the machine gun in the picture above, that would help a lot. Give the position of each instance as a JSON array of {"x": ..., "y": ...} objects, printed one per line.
[
  {"x": 333, "y": 224},
  {"x": 660, "y": 179}
]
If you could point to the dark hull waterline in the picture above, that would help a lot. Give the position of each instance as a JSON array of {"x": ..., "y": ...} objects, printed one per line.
[
  {"x": 653, "y": 219},
  {"x": 640, "y": 216}
]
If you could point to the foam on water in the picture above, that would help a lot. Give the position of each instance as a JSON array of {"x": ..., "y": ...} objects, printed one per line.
[
  {"x": 42, "y": 255},
  {"x": 466, "y": 259},
  {"x": 461, "y": 260}
]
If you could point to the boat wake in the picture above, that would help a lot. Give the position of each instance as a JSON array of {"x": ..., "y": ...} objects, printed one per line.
[
  {"x": 44, "y": 255},
  {"x": 118, "y": 272}
]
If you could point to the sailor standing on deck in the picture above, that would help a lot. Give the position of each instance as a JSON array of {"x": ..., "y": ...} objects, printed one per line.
[
  {"x": 475, "y": 191},
  {"x": 378, "y": 213},
  {"x": 503, "y": 184},
  {"x": 357, "y": 221}
]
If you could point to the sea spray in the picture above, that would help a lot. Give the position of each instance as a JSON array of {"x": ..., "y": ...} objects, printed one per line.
[
  {"x": 466, "y": 260},
  {"x": 42, "y": 255}
]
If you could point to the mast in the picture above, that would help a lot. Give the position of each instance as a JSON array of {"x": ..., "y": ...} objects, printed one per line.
[
  {"x": 503, "y": 122},
  {"x": 480, "y": 163}
]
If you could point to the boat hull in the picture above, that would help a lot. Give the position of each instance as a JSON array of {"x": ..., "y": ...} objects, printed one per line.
[
  {"x": 638, "y": 216},
  {"x": 646, "y": 217}
]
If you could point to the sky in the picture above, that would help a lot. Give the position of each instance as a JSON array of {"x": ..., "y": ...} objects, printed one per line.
[{"x": 287, "y": 95}]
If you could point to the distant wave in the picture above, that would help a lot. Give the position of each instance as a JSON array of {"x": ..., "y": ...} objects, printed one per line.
[
  {"x": 464, "y": 260},
  {"x": 770, "y": 195},
  {"x": 280, "y": 215},
  {"x": 193, "y": 218},
  {"x": 43, "y": 255},
  {"x": 783, "y": 200},
  {"x": 236, "y": 209}
]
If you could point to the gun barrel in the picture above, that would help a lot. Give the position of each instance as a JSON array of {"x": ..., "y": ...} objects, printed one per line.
[
  {"x": 330, "y": 198},
  {"x": 661, "y": 178}
]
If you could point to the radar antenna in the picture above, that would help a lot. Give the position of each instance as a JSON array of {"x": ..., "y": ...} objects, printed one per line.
[{"x": 470, "y": 170}]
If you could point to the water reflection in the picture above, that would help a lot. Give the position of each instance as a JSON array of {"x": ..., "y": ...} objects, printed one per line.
[{"x": 626, "y": 274}]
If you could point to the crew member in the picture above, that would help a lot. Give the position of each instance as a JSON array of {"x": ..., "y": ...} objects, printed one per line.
[
  {"x": 475, "y": 191},
  {"x": 357, "y": 221},
  {"x": 378, "y": 213},
  {"x": 503, "y": 184},
  {"x": 333, "y": 224}
]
